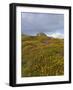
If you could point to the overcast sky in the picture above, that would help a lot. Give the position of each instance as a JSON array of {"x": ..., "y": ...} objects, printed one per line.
[{"x": 50, "y": 24}]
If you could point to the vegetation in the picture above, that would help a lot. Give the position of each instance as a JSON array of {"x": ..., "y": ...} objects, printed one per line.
[{"x": 42, "y": 56}]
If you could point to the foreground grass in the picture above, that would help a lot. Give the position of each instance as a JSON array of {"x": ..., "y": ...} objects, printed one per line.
[{"x": 42, "y": 56}]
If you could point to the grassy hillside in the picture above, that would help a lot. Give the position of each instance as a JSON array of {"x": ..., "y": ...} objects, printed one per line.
[{"x": 42, "y": 56}]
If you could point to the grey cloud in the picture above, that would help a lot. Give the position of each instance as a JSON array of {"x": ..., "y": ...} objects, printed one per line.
[{"x": 32, "y": 23}]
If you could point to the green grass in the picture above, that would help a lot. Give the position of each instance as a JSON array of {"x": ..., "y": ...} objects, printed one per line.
[{"x": 42, "y": 56}]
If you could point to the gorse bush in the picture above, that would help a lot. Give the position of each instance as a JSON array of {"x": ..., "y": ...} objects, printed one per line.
[{"x": 42, "y": 56}]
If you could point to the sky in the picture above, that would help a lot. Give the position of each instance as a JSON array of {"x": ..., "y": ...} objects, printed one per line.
[{"x": 48, "y": 23}]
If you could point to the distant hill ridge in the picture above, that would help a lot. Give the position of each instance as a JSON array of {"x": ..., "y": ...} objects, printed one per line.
[
  {"x": 43, "y": 35},
  {"x": 38, "y": 34}
]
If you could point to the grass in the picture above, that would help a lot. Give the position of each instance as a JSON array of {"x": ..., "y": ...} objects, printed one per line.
[{"x": 42, "y": 56}]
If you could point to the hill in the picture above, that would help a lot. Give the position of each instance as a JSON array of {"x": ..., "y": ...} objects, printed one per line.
[
  {"x": 41, "y": 34},
  {"x": 42, "y": 56}
]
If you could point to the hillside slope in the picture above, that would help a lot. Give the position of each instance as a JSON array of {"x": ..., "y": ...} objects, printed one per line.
[{"x": 42, "y": 56}]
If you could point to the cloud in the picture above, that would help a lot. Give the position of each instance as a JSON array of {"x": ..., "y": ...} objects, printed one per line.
[
  {"x": 33, "y": 23},
  {"x": 56, "y": 35}
]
